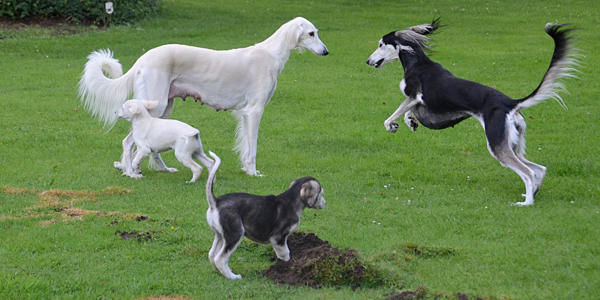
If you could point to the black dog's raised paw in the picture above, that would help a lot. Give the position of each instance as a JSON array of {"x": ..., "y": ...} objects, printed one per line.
[
  {"x": 392, "y": 127},
  {"x": 413, "y": 124}
]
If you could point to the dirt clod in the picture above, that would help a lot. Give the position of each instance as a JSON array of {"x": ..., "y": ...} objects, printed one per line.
[
  {"x": 314, "y": 262},
  {"x": 132, "y": 235}
]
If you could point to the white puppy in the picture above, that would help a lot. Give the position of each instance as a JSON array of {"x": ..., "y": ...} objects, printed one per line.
[
  {"x": 154, "y": 135},
  {"x": 242, "y": 80}
]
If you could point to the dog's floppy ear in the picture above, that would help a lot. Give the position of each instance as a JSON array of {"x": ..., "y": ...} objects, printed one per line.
[
  {"x": 292, "y": 33},
  {"x": 427, "y": 29},
  {"x": 150, "y": 104},
  {"x": 310, "y": 189},
  {"x": 134, "y": 109}
]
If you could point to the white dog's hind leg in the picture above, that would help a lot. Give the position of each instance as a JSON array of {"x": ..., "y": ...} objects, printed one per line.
[
  {"x": 185, "y": 158},
  {"x": 157, "y": 163},
  {"x": 203, "y": 159}
]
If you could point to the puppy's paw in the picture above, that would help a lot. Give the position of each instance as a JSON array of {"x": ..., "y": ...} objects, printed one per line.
[
  {"x": 391, "y": 126},
  {"x": 171, "y": 170},
  {"x": 118, "y": 166},
  {"x": 285, "y": 258},
  {"x": 252, "y": 173},
  {"x": 132, "y": 175}
]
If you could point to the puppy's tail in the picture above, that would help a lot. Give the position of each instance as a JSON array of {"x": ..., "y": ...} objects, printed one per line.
[
  {"x": 210, "y": 195},
  {"x": 103, "y": 95},
  {"x": 562, "y": 65}
]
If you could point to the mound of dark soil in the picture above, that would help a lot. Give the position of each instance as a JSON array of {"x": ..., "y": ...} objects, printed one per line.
[{"x": 314, "y": 262}]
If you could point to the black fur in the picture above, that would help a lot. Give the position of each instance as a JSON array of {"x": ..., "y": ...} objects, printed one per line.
[
  {"x": 262, "y": 216},
  {"x": 437, "y": 99},
  {"x": 450, "y": 100}
]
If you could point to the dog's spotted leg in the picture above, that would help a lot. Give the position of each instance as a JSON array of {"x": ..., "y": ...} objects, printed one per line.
[
  {"x": 411, "y": 121},
  {"x": 390, "y": 124}
]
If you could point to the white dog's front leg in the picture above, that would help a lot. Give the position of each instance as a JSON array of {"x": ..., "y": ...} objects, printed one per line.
[
  {"x": 140, "y": 155},
  {"x": 252, "y": 122},
  {"x": 390, "y": 124},
  {"x": 125, "y": 164}
]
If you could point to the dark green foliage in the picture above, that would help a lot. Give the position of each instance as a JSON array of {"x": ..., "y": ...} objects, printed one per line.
[{"x": 81, "y": 11}]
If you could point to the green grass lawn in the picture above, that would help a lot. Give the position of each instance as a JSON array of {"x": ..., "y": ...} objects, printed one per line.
[{"x": 61, "y": 201}]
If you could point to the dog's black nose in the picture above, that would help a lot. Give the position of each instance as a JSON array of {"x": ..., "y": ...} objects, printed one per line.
[{"x": 325, "y": 52}]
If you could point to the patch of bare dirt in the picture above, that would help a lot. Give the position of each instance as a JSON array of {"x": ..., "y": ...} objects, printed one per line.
[{"x": 59, "y": 204}]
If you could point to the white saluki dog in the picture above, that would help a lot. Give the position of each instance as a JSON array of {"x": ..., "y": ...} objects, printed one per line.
[
  {"x": 242, "y": 80},
  {"x": 438, "y": 100}
]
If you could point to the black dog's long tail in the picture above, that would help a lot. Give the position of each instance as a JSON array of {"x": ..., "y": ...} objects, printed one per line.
[
  {"x": 561, "y": 66},
  {"x": 210, "y": 195}
]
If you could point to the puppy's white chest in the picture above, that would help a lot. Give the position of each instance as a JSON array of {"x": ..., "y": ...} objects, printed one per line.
[{"x": 403, "y": 86}]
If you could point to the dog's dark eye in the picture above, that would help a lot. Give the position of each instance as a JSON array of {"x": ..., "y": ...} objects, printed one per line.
[{"x": 311, "y": 33}]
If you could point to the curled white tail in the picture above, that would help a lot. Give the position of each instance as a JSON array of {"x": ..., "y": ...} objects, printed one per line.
[
  {"x": 210, "y": 195},
  {"x": 103, "y": 95}
]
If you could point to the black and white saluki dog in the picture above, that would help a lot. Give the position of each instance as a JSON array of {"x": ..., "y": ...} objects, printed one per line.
[
  {"x": 438, "y": 100},
  {"x": 242, "y": 80}
]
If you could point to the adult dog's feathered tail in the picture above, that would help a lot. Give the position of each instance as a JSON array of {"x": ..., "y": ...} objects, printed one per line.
[
  {"x": 210, "y": 195},
  {"x": 102, "y": 95},
  {"x": 561, "y": 66}
]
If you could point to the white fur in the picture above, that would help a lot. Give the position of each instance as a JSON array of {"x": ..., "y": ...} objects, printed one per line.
[
  {"x": 154, "y": 135},
  {"x": 242, "y": 80}
]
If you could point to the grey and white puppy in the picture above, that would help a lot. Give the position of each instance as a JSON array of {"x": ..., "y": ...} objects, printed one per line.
[
  {"x": 154, "y": 135},
  {"x": 263, "y": 219}
]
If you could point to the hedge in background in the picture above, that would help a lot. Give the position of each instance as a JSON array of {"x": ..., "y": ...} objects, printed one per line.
[{"x": 78, "y": 11}]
